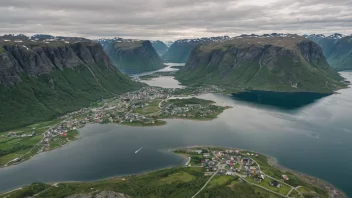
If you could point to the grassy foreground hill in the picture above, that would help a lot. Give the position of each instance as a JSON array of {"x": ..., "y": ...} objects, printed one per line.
[
  {"x": 40, "y": 80},
  {"x": 132, "y": 56},
  {"x": 285, "y": 64}
]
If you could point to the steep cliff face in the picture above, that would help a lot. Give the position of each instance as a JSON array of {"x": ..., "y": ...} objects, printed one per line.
[
  {"x": 160, "y": 47},
  {"x": 133, "y": 56},
  {"x": 41, "y": 80},
  {"x": 337, "y": 49},
  {"x": 286, "y": 64},
  {"x": 341, "y": 57},
  {"x": 180, "y": 50},
  {"x": 327, "y": 43}
]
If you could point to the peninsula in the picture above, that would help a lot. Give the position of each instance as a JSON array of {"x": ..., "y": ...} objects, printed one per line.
[
  {"x": 144, "y": 107},
  {"x": 208, "y": 172}
]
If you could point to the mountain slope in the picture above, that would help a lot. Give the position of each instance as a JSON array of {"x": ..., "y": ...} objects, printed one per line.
[
  {"x": 133, "y": 56},
  {"x": 42, "y": 80},
  {"x": 284, "y": 64},
  {"x": 341, "y": 57},
  {"x": 160, "y": 47},
  {"x": 336, "y": 48},
  {"x": 180, "y": 50}
]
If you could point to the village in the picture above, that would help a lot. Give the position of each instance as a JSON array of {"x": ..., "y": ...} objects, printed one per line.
[
  {"x": 241, "y": 165},
  {"x": 139, "y": 108}
]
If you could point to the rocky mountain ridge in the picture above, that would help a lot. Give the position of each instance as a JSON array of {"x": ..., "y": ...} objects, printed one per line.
[
  {"x": 131, "y": 55},
  {"x": 285, "y": 63},
  {"x": 337, "y": 48},
  {"x": 40, "y": 80},
  {"x": 180, "y": 50}
]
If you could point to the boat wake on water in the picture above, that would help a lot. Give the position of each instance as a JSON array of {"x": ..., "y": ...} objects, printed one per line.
[{"x": 138, "y": 150}]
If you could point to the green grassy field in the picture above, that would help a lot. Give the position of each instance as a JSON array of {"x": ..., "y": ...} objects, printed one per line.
[
  {"x": 172, "y": 182},
  {"x": 175, "y": 182},
  {"x": 293, "y": 179},
  {"x": 221, "y": 180},
  {"x": 294, "y": 194},
  {"x": 14, "y": 147},
  {"x": 153, "y": 106},
  {"x": 177, "y": 177}
]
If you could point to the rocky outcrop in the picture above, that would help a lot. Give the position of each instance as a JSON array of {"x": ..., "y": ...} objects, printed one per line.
[
  {"x": 34, "y": 60},
  {"x": 133, "y": 56},
  {"x": 42, "y": 80},
  {"x": 285, "y": 64}
]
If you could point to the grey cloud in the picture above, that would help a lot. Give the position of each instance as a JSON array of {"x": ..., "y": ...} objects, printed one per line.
[{"x": 173, "y": 19}]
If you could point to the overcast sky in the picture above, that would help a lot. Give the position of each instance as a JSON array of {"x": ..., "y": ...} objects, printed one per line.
[{"x": 173, "y": 19}]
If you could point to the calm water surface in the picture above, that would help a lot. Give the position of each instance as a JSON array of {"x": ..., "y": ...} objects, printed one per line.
[
  {"x": 162, "y": 81},
  {"x": 313, "y": 138}
]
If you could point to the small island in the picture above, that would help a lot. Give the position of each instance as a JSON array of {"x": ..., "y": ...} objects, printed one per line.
[{"x": 208, "y": 172}]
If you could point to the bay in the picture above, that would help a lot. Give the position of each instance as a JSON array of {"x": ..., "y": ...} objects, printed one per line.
[{"x": 312, "y": 138}]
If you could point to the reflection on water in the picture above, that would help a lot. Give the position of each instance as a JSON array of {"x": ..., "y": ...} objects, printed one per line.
[
  {"x": 164, "y": 82},
  {"x": 168, "y": 68},
  {"x": 289, "y": 101}
]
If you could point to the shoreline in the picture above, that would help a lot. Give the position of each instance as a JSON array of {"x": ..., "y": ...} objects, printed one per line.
[
  {"x": 272, "y": 161},
  {"x": 333, "y": 191}
]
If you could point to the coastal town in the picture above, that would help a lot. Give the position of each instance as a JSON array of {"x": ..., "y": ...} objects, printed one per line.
[
  {"x": 247, "y": 167},
  {"x": 144, "y": 107}
]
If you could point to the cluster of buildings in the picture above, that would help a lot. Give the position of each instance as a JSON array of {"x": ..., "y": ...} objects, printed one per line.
[
  {"x": 189, "y": 110},
  {"x": 120, "y": 110},
  {"x": 232, "y": 162},
  {"x": 20, "y": 135}
]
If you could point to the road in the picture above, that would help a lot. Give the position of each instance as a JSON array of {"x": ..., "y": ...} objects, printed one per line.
[
  {"x": 11, "y": 191},
  {"x": 261, "y": 186},
  {"x": 292, "y": 187},
  {"x": 28, "y": 151},
  {"x": 243, "y": 178},
  {"x": 209, "y": 178},
  {"x": 205, "y": 184},
  {"x": 163, "y": 101}
]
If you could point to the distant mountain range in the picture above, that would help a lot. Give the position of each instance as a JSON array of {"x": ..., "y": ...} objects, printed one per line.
[
  {"x": 43, "y": 77},
  {"x": 275, "y": 62},
  {"x": 337, "y": 48},
  {"x": 132, "y": 56}
]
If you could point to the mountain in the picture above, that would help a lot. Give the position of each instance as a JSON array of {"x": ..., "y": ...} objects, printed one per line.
[
  {"x": 337, "y": 48},
  {"x": 41, "y": 80},
  {"x": 132, "y": 56},
  {"x": 160, "y": 47},
  {"x": 341, "y": 57},
  {"x": 283, "y": 63},
  {"x": 168, "y": 43},
  {"x": 180, "y": 50}
]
